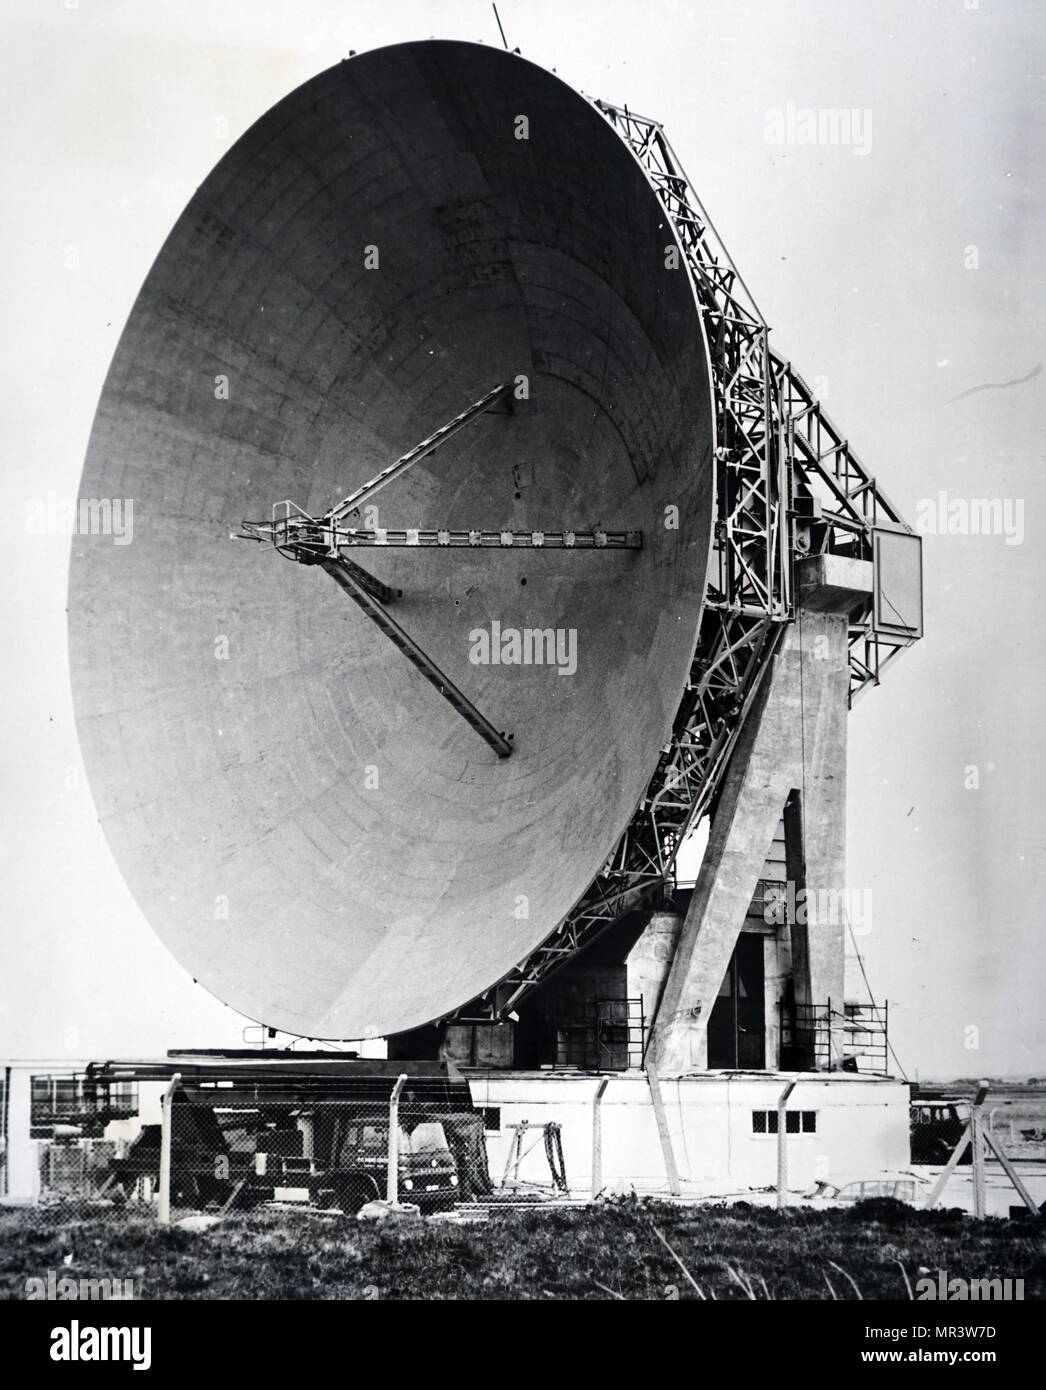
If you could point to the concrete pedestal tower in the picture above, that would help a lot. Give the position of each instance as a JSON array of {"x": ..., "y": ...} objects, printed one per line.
[{"x": 790, "y": 761}]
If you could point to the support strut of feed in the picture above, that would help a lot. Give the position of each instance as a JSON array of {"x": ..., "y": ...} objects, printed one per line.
[
  {"x": 323, "y": 540},
  {"x": 362, "y": 495},
  {"x": 383, "y": 593},
  {"x": 299, "y": 536},
  {"x": 343, "y": 574}
]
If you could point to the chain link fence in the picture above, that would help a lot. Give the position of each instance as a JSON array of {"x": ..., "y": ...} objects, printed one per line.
[
  {"x": 328, "y": 1154},
  {"x": 1013, "y": 1122},
  {"x": 268, "y": 1138},
  {"x": 984, "y": 1146},
  {"x": 937, "y": 1126},
  {"x": 1017, "y": 1124},
  {"x": 263, "y": 1135}
]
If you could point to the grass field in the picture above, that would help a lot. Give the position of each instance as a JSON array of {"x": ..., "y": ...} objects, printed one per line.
[{"x": 627, "y": 1249}]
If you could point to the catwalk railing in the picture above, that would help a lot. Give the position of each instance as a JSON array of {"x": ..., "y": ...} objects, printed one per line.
[{"x": 825, "y": 1037}]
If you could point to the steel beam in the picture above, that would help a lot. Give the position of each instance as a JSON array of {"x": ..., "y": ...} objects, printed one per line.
[
  {"x": 342, "y": 574},
  {"x": 363, "y": 494},
  {"x": 382, "y": 592},
  {"x": 421, "y": 538},
  {"x": 303, "y": 535}
]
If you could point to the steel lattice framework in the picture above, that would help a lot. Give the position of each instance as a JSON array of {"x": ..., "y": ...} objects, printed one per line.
[{"x": 787, "y": 485}]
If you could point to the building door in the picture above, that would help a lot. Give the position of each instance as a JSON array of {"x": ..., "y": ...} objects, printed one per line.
[{"x": 737, "y": 1024}]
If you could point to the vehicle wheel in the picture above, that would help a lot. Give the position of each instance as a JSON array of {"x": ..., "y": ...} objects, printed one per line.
[
  {"x": 215, "y": 1190},
  {"x": 186, "y": 1193},
  {"x": 353, "y": 1194}
]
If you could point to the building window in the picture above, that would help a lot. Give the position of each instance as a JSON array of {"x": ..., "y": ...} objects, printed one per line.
[
  {"x": 796, "y": 1121},
  {"x": 491, "y": 1118}
]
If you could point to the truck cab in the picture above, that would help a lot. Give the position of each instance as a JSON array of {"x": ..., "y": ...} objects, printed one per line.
[
  {"x": 348, "y": 1165},
  {"x": 936, "y": 1128}
]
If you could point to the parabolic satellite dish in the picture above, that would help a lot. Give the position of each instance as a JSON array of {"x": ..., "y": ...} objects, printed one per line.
[{"x": 313, "y": 832}]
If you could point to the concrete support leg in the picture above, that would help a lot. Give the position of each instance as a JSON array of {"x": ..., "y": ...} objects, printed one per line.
[
  {"x": 647, "y": 966},
  {"x": 794, "y": 741}
]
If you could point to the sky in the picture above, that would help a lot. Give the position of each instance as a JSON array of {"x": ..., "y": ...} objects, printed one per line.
[{"x": 901, "y": 273}]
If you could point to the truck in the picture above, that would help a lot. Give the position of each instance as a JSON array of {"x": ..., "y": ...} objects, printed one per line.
[
  {"x": 248, "y": 1128},
  {"x": 936, "y": 1127},
  {"x": 328, "y": 1156},
  {"x": 348, "y": 1162}
]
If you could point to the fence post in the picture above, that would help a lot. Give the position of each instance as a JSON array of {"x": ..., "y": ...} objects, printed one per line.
[
  {"x": 392, "y": 1183},
  {"x": 977, "y": 1143},
  {"x": 671, "y": 1171},
  {"x": 597, "y": 1137},
  {"x": 949, "y": 1168},
  {"x": 782, "y": 1146},
  {"x": 163, "y": 1207},
  {"x": 1014, "y": 1177},
  {"x": 21, "y": 1175}
]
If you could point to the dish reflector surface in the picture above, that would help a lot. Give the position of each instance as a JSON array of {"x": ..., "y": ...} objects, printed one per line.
[{"x": 309, "y": 828}]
